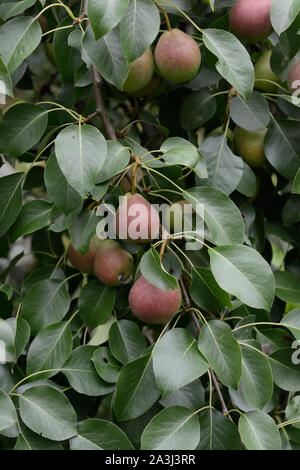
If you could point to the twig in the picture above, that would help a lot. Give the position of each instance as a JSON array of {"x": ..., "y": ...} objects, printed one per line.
[
  {"x": 100, "y": 108},
  {"x": 83, "y": 14},
  {"x": 188, "y": 305},
  {"x": 218, "y": 390}
]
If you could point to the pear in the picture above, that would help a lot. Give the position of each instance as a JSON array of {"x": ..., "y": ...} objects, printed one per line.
[
  {"x": 151, "y": 304},
  {"x": 112, "y": 265},
  {"x": 251, "y": 19},
  {"x": 140, "y": 72},
  {"x": 136, "y": 220},
  {"x": 177, "y": 56}
]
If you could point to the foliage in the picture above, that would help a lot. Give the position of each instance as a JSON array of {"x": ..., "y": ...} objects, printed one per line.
[{"x": 80, "y": 370}]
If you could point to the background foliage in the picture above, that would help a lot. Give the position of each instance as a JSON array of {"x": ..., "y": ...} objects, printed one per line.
[{"x": 82, "y": 372}]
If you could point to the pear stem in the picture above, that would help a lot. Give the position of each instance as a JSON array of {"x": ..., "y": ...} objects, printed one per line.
[{"x": 165, "y": 15}]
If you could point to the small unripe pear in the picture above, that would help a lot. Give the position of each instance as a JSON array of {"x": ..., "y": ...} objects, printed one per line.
[
  {"x": 294, "y": 78},
  {"x": 112, "y": 265},
  {"x": 263, "y": 72},
  {"x": 251, "y": 19},
  {"x": 151, "y": 304},
  {"x": 177, "y": 56},
  {"x": 85, "y": 262},
  {"x": 140, "y": 73},
  {"x": 250, "y": 146},
  {"x": 136, "y": 220}
]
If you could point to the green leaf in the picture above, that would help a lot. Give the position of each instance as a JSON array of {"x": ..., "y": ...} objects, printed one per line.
[
  {"x": 256, "y": 377},
  {"x": 217, "y": 432},
  {"x": 7, "y": 290},
  {"x": 106, "y": 365},
  {"x": 48, "y": 412},
  {"x": 286, "y": 369},
  {"x": 197, "y": 108},
  {"x": 83, "y": 229},
  {"x": 283, "y": 14},
  {"x": 9, "y": 9},
  {"x": 107, "y": 56},
  {"x": 243, "y": 272},
  {"x": 191, "y": 396},
  {"x": 152, "y": 270},
  {"x": 253, "y": 114},
  {"x": 205, "y": 291},
  {"x": 34, "y": 216},
  {"x": 292, "y": 322},
  {"x": 283, "y": 139},
  {"x": 296, "y": 186},
  {"x": 136, "y": 389},
  {"x": 222, "y": 352},
  {"x": 105, "y": 15},
  {"x": 101, "y": 333},
  {"x": 177, "y": 361},
  {"x": 178, "y": 151},
  {"x": 259, "y": 431},
  {"x": 118, "y": 158},
  {"x": 96, "y": 302},
  {"x": 8, "y": 414},
  {"x": 21, "y": 128},
  {"x": 80, "y": 152},
  {"x": 287, "y": 286},
  {"x": 7, "y": 337},
  {"x": 10, "y": 201},
  {"x": 126, "y": 341},
  {"x": 97, "y": 434},
  {"x": 18, "y": 39},
  {"x": 49, "y": 350},
  {"x": 67, "y": 58},
  {"x": 21, "y": 334},
  {"x": 6, "y": 87},
  {"x": 248, "y": 183},
  {"x": 82, "y": 375},
  {"x": 28, "y": 440},
  {"x": 60, "y": 192},
  {"x": 139, "y": 27},
  {"x": 225, "y": 169},
  {"x": 234, "y": 62},
  {"x": 53, "y": 307},
  {"x": 174, "y": 428},
  {"x": 221, "y": 215},
  {"x": 292, "y": 411}
]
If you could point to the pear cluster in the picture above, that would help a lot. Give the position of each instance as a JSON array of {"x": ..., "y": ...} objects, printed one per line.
[
  {"x": 113, "y": 265},
  {"x": 177, "y": 58}
]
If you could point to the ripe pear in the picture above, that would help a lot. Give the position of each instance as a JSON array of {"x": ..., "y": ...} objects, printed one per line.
[
  {"x": 263, "y": 71},
  {"x": 151, "y": 304},
  {"x": 136, "y": 220},
  {"x": 294, "y": 78},
  {"x": 112, "y": 265},
  {"x": 84, "y": 263},
  {"x": 177, "y": 56},
  {"x": 250, "y": 146},
  {"x": 251, "y": 19},
  {"x": 140, "y": 72}
]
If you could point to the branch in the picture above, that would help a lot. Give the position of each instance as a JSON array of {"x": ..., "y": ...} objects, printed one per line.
[
  {"x": 83, "y": 14},
  {"x": 100, "y": 108},
  {"x": 188, "y": 304}
]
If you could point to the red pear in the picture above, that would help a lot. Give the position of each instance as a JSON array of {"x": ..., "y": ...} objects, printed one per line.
[
  {"x": 177, "y": 56},
  {"x": 85, "y": 262},
  {"x": 112, "y": 264},
  {"x": 151, "y": 304},
  {"x": 251, "y": 19},
  {"x": 136, "y": 220}
]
